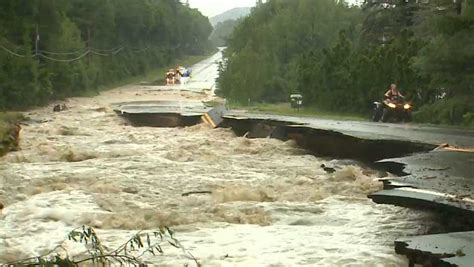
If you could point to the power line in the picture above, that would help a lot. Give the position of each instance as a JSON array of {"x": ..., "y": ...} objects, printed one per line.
[
  {"x": 112, "y": 53},
  {"x": 11, "y": 52},
  {"x": 106, "y": 49},
  {"x": 65, "y": 60},
  {"x": 100, "y": 52},
  {"x": 59, "y": 53}
]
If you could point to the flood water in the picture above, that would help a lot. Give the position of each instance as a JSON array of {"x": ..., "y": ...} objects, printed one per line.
[{"x": 272, "y": 204}]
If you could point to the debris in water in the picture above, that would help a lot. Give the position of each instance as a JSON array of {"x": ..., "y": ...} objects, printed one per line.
[
  {"x": 195, "y": 193},
  {"x": 328, "y": 169},
  {"x": 59, "y": 108}
]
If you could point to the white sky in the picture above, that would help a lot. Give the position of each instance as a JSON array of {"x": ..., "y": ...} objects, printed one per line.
[{"x": 211, "y": 8}]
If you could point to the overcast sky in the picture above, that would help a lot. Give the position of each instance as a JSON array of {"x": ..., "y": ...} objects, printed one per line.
[
  {"x": 215, "y": 7},
  {"x": 211, "y": 8}
]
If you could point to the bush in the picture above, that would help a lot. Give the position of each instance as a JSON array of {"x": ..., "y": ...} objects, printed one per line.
[
  {"x": 456, "y": 110},
  {"x": 128, "y": 254}
]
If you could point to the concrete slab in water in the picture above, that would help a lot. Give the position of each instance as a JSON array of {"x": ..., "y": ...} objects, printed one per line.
[
  {"x": 162, "y": 113},
  {"x": 419, "y": 198},
  {"x": 214, "y": 116},
  {"x": 452, "y": 249},
  {"x": 440, "y": 170},
  {"x": 148, "y": 107},
  {"x": 440, "y": 179}
]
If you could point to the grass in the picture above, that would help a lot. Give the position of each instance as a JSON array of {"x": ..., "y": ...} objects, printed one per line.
[
  {"x": 285, "y": 109},
  {"x": 152, "y": 77}
]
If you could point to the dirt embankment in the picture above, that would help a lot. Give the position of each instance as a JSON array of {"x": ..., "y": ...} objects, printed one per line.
[{"x": 9, "y": 132}]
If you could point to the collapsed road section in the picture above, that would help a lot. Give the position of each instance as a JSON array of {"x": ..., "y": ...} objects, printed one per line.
[
  {"x": 452, "y": 249},
  {"x": 429, "y": 176},
  {"x": 440, "y": 179},
  {"x": 162, "y": 113}
]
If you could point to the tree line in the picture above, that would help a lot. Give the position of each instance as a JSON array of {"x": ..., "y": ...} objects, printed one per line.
[
  {"x": 342, "y": 58},
  {"x": 51, "y": 49}
]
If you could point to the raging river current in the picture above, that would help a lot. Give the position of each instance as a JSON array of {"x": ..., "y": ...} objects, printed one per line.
[{"x": 271, "y": 203}]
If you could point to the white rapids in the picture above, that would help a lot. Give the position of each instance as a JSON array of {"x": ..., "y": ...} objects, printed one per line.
[{"x": 272, "y": 204}]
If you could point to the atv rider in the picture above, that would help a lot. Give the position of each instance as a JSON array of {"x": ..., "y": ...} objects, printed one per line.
[{"x": 393, "y": 92}]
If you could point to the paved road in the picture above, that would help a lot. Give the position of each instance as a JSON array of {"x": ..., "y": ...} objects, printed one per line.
[
  {"x": 206, "y": 72},
  {"x": 458, "y": 137},
  {"x": 203, "y": 77}
]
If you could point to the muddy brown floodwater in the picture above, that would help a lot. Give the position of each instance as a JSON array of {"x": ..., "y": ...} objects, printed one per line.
[{"x": 272, "y": 204}]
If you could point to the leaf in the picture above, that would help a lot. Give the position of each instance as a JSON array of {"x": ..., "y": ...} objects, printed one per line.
[
  {"x": 57, "y": 259},
  {"x": 158, "y": 247},
  {"x": 174, "y": 245},
  {"x": 170, "y": 232},
  {"x": 139, "y": 241},
  {"x": 152, "y": 251}
]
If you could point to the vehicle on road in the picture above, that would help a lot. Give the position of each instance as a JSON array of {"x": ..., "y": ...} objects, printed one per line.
[
  {"x": 180, "y": 75},
  {"x": 395, "y": 109}
]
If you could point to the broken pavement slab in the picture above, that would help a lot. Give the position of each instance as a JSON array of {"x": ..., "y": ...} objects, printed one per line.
[
  {"x": 419, "y": 198},
  {"x": 452, "y": 249},
  {"x": 441, "y": 179},
  {"x": 214, "y": 117},
  {"x": 161, "y": 113},
  {"x": 441, "y": 170}
]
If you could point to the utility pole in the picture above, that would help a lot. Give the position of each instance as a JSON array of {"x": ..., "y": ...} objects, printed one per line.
[{"x": 37, "y": 40}]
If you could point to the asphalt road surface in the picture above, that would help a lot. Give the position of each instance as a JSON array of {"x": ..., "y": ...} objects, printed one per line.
[{"x": 204, "y": 80}]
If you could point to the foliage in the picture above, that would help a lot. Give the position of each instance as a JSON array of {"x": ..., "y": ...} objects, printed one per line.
[
  {"x": 448, "y": 58},
  {"x": 458, "y": 110},
  {"x": 130, "y": 253},
  {"x": 344, "y": 64},
  {"x": 111, "y": 40},
  {"x": 265, "y": 49}
]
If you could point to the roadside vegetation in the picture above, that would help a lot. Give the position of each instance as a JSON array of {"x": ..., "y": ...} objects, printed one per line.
[
  {"x": 342, "y": 58},
  {"x": 305, "y": 111},
  {"x": 9, "y": 131},
  {"x": 130, "y": 253},
  {"x": 55, "y": 49}
]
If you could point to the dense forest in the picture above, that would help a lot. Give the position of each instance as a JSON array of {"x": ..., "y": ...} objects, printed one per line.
[
  {"x": 51, "y": 49},
  {"x": 343, "y": 58}
]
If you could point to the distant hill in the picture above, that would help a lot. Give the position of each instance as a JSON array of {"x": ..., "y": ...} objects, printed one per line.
[{"x": 231, "y": 14}]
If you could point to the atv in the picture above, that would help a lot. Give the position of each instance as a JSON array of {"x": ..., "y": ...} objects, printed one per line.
[{"x": 393, "y": 110}]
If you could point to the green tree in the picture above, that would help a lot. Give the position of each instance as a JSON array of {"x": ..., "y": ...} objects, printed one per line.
[{"x": 85, "y": 44}]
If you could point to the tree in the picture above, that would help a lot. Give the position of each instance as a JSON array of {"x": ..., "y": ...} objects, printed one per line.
[
  {"x": 448, "y": 59},
  {"x": 51, "y": 49}
]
